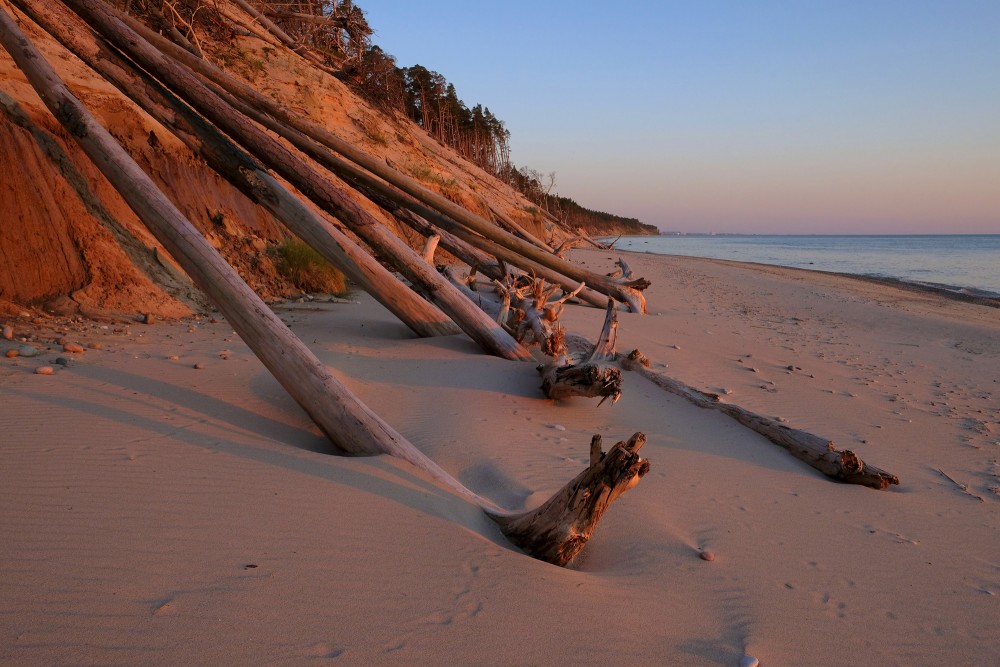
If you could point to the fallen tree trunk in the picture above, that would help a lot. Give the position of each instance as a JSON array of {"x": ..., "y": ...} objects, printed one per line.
[
  {"x": 236, "y": 166},
  {"x": 842, "y": 465},
  {"x": 395, "y": 201},
  {"x": 490, "y": 337},
  {"x": 553, "y": 533},
  {"x": 623, "y": 293}
]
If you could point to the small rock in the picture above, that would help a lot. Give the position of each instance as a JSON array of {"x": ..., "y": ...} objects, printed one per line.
[
  {"x": 95, "y": 346},
  {"x": 11, "y": 353},
  {"x": 749, "y": 661},
  {"x": 706, "y": 555},
  {"x": 213, "y": 321},
  {"x": 62, "y": 361},
  {"x": 147, "y": 318},
  {"x": 8, "y": 333},
  {"x": 75, "y": 348},
  {"x": 27, "y": 351},
  {"x": 559, "y": 427},
  {"x": 44, "y": 370},
  {"x": 173, "y": 357},
  {"x": 198, "y": 367}
]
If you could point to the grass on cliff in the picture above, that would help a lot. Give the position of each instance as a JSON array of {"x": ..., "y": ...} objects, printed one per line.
[{"x": 307, "y": 270}]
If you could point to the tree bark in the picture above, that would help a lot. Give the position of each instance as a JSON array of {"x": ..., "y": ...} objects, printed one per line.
[
  {"x": 185, "y": 84},
  {"x": 235, "y": 165},
  {"x": 350, "y": 425},
  {"x": 818, "y": 452}
]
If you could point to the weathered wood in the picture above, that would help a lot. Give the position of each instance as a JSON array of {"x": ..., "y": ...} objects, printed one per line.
[
  {"x": 580, "y": 368},
  {"x": 490, "y": 337},
  {"x": 554, "y": 533},
  {"x": 574, "y": 366},
  {"x": 820, "y": 453},
  {"x": 521, "y": 249},
  {"x": 236, "y": 166}
]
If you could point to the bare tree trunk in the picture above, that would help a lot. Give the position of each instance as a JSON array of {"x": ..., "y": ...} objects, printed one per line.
[
  {"x": 818, "y": 452},
  {"x": 623, "y": 293},
  {"x": 553, "y": 533},
  {"x": 486, "y": 333},
  {"x": 244, "y": 172}
]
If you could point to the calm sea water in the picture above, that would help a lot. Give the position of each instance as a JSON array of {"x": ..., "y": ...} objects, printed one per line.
[{"x": 967, "y": 263}]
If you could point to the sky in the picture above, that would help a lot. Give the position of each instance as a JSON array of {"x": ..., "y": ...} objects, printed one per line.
[{"x": 795, "y": 117}]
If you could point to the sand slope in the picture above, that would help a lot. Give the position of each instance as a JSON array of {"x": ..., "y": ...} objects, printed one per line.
[{"x": 158, "y": 514}]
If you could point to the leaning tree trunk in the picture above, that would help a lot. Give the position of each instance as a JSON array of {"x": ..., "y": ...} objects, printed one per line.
[
  {"x": 623, "y": 293},
  {"x": 184, "y": 83},
  {"x": 818, "y": 452},
  {"x": 553, "y": 533},
  {"x": 235, "y": 165}
]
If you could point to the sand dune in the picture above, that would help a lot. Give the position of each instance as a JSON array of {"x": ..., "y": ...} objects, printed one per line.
[{"x": 154, "y": 513}]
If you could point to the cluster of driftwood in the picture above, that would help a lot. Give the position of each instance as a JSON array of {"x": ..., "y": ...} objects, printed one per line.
[{"x": 234, "y": 128}]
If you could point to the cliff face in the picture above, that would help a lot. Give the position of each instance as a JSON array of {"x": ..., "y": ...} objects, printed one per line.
[{"x": 70, "y": 244}]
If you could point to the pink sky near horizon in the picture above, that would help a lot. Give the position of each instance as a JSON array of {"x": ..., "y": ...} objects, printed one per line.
[{"x": 772, "y": 117}]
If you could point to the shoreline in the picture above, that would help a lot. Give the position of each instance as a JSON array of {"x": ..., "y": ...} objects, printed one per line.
[
  {"x": 159, "y": 513},
  {"x": 971, "y": 295}
]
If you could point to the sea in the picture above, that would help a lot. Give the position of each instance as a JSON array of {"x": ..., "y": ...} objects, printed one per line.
[{"x": 960, "y": 264}]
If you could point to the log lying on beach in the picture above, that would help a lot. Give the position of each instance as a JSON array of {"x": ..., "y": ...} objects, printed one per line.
[
  {"x": 551, "y": 534},
  {"x": 554, "y": 533},
  {"x": 820, "y": 453}
]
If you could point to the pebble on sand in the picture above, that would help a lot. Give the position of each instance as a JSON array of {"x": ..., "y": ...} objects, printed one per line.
[
  {"x": 198, "y": 366},
  {"x": 75, "y": 348},
  {"x": 44, "y": 370},
  {"x": 95, "y": 346},
  {"x": 8, "y": 333},
  {"x": 749, "y": 661},
  {"x": 706, "y": 555},
  {"x": 11, "y": 353}
]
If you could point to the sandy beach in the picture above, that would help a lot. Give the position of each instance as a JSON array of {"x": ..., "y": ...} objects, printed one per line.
[{"x": 156, "y": 513}]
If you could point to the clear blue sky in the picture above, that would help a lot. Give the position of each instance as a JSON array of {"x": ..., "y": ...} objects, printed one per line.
[{"x": 743, "y": 116}]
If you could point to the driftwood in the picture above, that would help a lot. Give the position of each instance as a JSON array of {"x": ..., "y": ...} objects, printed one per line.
[
  {"x": 235, "y": 165},
  {"x": 842, "y": 465},
  {"x": 283, "y": 118},
  {"x": 490, "y": 337},
  {"x": 579, "y": 368},
  {"x": 555, "y": 532},
  {"x": 548, "y": 533},
  {"x": 574, "y": 366}
]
